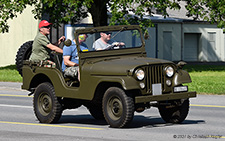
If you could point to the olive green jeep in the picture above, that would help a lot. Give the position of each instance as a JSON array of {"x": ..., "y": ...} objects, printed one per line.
[{"x": 114, "y": 83}]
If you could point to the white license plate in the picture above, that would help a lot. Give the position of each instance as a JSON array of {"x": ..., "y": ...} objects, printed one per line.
[
  {"x": 180, "y": 89},
  {"x": 156, "y": 89}
]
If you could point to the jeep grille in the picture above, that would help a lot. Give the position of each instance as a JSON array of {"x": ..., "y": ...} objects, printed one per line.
[{"x": 154, "y": 75}]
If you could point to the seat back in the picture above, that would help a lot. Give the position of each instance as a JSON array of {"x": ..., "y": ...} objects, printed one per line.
[{"x": 57, "y": 58}]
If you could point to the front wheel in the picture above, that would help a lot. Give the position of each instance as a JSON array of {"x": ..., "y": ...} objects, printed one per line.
[
  {"x": 175, "y": 114},
  {"x": 46, "y": 105},
  {"x": 118, "y": 108}
]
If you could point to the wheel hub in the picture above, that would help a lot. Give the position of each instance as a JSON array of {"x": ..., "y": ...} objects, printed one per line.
[
  {"x": 115, "y": 108},
  {"x": 45, "y": 104}
]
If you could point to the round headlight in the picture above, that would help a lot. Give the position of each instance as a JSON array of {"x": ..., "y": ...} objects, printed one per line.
[
  {"x": 140, "y": 74},
  {"x": 169, "y": 71}
]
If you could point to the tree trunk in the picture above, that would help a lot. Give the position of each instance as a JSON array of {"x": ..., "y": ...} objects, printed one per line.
[{"x": 98, "y": 12}]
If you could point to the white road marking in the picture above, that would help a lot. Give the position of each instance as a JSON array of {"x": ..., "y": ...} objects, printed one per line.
[{"x": 15, "y": 106}]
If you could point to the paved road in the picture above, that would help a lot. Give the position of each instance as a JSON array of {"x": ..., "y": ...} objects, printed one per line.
[{"x": 17, "y": 122}]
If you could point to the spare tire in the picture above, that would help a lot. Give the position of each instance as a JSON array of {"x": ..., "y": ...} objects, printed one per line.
[{"x": 23, "y": 53}]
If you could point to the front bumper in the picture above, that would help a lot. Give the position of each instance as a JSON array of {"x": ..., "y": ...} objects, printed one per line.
[{"x": 163, "y": 97}]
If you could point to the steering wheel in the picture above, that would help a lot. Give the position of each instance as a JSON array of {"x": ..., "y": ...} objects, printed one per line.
[{"x": 116, "y": 47}]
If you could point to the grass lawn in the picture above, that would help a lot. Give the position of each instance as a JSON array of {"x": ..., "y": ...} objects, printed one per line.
[
  {"x": 206, "y": 79},
  {"x": 9, "y": 73}
]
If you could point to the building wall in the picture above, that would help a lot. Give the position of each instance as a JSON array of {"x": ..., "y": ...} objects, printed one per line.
[
  {"x": 174, "y": 38},
  {"x": 150, "y": 43},
  {"x": 22, "y": 29},
  {"x": 169, "y": 41},
  {"x": 211, "y": 42}
]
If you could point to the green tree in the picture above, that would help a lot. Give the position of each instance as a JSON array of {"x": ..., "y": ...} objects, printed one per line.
[
  {"x": 72, "y": 11},
  {"x": 208, "y": 10},
  {"x": 9, "y": 10}
]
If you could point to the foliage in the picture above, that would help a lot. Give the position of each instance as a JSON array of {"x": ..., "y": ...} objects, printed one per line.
[
  {"x": 10, "y": 9},
  {"x": 204, "y": 68},
  {"x": 122, "y": 11},
  {"x": 133, "y": 11},
  {"x": 70, "y": 11},
  {"x": 209, "y": 10}
]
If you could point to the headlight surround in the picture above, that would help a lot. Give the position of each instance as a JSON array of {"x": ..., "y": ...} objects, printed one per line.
[
  {"x": 140, "y": 74},
  {"x": 169, "y": 71}
]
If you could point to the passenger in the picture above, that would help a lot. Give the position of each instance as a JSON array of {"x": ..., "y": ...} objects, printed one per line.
[
  {"x": 105, "y": 42},
  {"x": 42, "y": 47},
  {"x": 70, "y": 64}
]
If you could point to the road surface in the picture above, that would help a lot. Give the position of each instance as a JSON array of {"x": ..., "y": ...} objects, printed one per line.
[{"x": 17, "y": 122}]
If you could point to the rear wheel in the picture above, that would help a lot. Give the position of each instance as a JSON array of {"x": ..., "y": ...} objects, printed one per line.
[
  {"x": 46, "y": 105},
  {"x": 118, "y": 108},
  {"x": 175, "y": 113}
]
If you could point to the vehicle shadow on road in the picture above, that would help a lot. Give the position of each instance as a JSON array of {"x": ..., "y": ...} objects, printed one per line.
[
  {"x": 138, "y": 121},
  {"x": 81, "y": 119},
  {"x": 151, "y": 122}
]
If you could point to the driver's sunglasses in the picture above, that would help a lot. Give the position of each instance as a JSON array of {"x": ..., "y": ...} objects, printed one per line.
[
  {"x": 107, "y": 33},
  {"x": 46, "y": 26}
]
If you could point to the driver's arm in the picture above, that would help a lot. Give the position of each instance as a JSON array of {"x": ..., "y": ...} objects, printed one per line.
[
  {"x": 54, "y": 48},
  {"x": 121, "y": 43}
]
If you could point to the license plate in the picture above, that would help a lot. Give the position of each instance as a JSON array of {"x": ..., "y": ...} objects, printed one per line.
[
  {"x": 156, "y": 89},
  {"x": 180, "y": 89}
]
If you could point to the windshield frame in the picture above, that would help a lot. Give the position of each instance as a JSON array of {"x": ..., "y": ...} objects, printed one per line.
[{"x": 115, "y": 52}]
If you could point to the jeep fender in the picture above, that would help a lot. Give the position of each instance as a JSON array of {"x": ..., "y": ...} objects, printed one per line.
[
  {"x": 36, "y": 75},
  {"x": 127, "y": 83},
  {"x": 180, "y": 77}
]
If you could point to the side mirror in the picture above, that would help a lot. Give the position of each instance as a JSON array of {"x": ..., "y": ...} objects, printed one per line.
[
  {"x": 68, "y": 42},
  {"x": 181, "y": 64}
]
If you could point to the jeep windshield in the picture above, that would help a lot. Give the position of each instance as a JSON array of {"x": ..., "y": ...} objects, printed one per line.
[{"x": 110, "y": 40}]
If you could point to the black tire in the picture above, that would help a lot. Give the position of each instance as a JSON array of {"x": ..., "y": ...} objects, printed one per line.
[
  {"x": 175, "y": 114},
  {"x": 96, "y": 112},
  {"x": 23, "y": 53},
  {"x": 118, "y": 108},
  {"x": 46, "y": 105}
]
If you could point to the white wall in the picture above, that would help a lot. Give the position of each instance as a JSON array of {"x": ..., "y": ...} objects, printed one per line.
[{"x": 22, "y": 29}]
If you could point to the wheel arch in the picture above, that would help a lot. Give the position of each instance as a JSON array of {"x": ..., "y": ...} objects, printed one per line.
[
  {"x": 102, "y": 87},
  {"x": 38, "y": 79}
]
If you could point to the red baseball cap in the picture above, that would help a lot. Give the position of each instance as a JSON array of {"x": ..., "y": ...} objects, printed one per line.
[{"x": 44, "y": 23}]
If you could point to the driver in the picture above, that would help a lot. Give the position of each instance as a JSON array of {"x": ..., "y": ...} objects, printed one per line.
[{"x": 105, "y": 42}]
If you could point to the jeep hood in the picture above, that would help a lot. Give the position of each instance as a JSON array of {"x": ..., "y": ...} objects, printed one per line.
[{"x": 121, "y": 66}]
